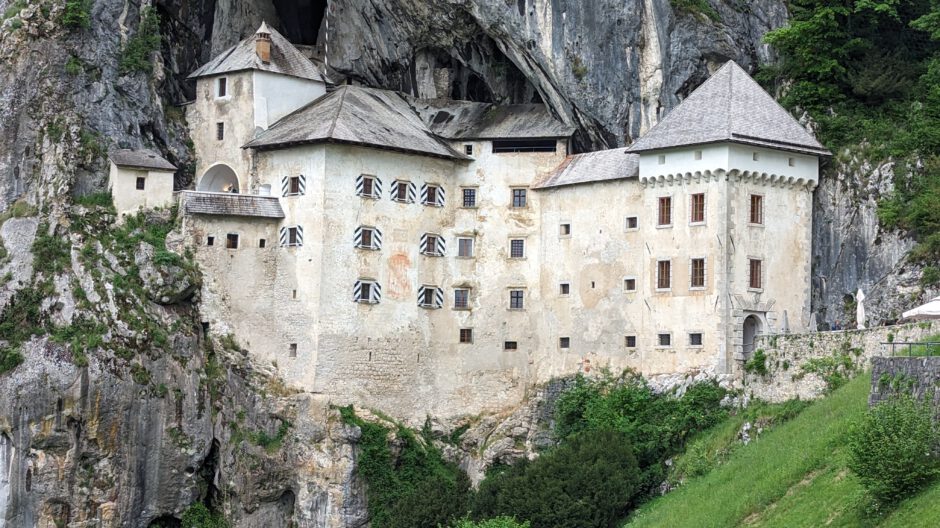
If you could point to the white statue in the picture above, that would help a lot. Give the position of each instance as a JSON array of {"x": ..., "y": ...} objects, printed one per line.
[{"x": 860, "y": 309}]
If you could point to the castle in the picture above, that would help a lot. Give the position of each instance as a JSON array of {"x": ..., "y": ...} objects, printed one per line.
[{"x": 442, "y": 257}]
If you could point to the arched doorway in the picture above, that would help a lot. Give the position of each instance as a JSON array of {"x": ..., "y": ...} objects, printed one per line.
[
  {"x": 219, "y": 178},
  {"x": 752, "y": 328}
]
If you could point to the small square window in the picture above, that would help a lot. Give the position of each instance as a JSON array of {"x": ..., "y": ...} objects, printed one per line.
[
  {"x": 564, "y": 342},
  {"x": 468, "y": 150},
  {"x": 220, "y": 131},
  {"x": 469, "y": 197},
  {"x": 466, "y": 335},
  {"x": 632, "y": 223},
  {"x": 293, "y": 350},
  {"x": 465, "y": 247},
  {"x": 461, "y": 298},
  {"x": 222, "y": 87},
  {"x": 695, "y": 339},
  {"x": 664, "y": 340},
  {"x": 791, "y": 162},
  {"x": 518, "y": 198},
  {"x": 516, "y": 299},
  {"x": 210, "y": 241},
  {"x": 755, "y": 156},
  {"x": 510, "y": 345},
  {"x": 629, "y": 284},
  {"x": 141, "y": 183},
  {"x": 564, "y": 230},
  {"x": 629, "y": 341},
  {"x": 262, "y": 243},
  {"x": 564, "y": 288},
  {"x": 698, "y": 155},
  {"x": 231, "y": 241},
  {"x": 662, "y": 159},
  {"x": 517, "y": 248}
]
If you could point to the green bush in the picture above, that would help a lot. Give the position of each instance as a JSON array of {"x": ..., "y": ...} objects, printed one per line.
[
  {"x": 696, "y": 7},
  {"x": 893, "y": 449},
  {"x": 590, "y": 481},
  {"x": 139, "y": 49},
  {"x": 930, "y": 277},
  {"x": 758, "y": 363},
  {"x": 496, "y": 522},
  {"x": 199, "y": 516},
  {"x": 77, "y": 14}
]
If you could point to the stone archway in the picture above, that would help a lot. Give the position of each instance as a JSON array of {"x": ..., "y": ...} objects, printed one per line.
[
  {"x": 219, "y": 178},
  {"x": 752, "y": 328}
]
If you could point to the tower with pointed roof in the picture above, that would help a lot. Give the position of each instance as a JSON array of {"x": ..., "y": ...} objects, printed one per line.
[{"x": 239, "y": 94}]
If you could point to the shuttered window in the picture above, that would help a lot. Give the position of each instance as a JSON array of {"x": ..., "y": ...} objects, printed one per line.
[
  {"x": 404, "y": 191},
  {"x": 369, "y": 186},
  {"x": 367, "y": 237},
  {"x": 292, "y": 236},
  {"x": 432, "y": 245},
  {"x": 430, "y": 297},
  {"x": 432, "y": 195},
  {"x": 367, "y": 291}
]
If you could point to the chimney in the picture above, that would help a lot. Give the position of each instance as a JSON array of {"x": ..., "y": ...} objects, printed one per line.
[{"x": 263, "y": 43}]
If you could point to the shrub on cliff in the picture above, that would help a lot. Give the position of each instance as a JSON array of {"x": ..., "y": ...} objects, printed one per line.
[
  {"x": 893, "y": 449},
  {"x": 137, "y": 54},
  {"x": 590, "y": 481},
  {"x": 496, "y": 522}
]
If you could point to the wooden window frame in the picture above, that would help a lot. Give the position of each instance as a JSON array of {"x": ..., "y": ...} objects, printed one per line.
[
  {"x": 659, "y": 275},
  {"x": 231, "y": 241},
  {"x": 664, "y": 211},
  {"x": 755, "y": 276},
  {"x": 460, "y": 241},
  {"x": 465, "y": 336},
  {"x": 466, "y": 299},
  {"x": 692, "y": 273},
  {"x": 221, "y": 88},
  {"x": 755, "y": 215},
  {"x": 697, "y": 219},
  {"x": 512, "y": 242},
  {"x": 514, "y": 203}
]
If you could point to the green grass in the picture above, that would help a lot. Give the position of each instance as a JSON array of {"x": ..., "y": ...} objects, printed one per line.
[
  {"x": 920, "y": 350},
  {"x": 793, "y": 476}
]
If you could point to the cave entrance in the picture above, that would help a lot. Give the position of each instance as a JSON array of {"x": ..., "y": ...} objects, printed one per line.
[{"x": 301, "y": 19}]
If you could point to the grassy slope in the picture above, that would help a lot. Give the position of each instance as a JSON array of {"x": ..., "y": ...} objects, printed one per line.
[{"x": 794, "y": 476}]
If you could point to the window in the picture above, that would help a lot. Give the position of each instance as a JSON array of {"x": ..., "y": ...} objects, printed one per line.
[
  {"x": 755, "y": 156},
  {"x": 698, "y": 155},
  {"x": 367, "y": 291},
  {"x": 631, "y": 223},
  {"x": 292, "y": 236},
  {"x": 524, "y": 145},
  {"x": 222, "y": 87},
  {"x": 432, "y": 195},
  {"x": 293, "y": 350},
  {"x": 369, "y": 186},
  {"x": 510, "y": 345},
  {"x": 220, "y": 131},
  {"x": 294, "y": 185},
  {"x": 141, "y": 183},
  {"x": 518, "y": 198},
  {"x": 403, "y": 191},
  {"x": 665, "y": 211},
  {"x": 695, "y": 339},
  {"x": 564, "y": 230},
  {"x": 430, "y": 297},
  {"x": 757, "y": 209},
  {"x": 663, "y": 275},
  {"x": 629, "y": 284},
  {"x": 231, "y": 241},
  {"x": 466, "y": 335},
  {"x": 432, "y": 245},
  {"x": 697, "y": 273},
  {"x": 465, "y": 247},
  {"x": 262, "y": 243},
  {"x": 210, "y": 241},
  {"x": 517, "y": 248},
  {"x": 461, "y": 298},
  {"x": 662, "y": 159},
  {"x": 468, "y": 150},
  {"x": 754, "y": 272},
  {"x": 791, "y": 162},
  {"x": 629, "y": 341},
  {"x": 469, "y": 197},
  {"x": 698, "y": 209},
  {"x": 517, "y": 299},
  {"x": 368, "y": 238},
  {"x": 564, "y": 342},
  {"x": 664, "y": 340},
  {"x": 564, "y": 288}
]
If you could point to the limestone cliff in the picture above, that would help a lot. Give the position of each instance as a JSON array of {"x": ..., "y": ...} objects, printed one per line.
[{"x": 133, "y": 435}]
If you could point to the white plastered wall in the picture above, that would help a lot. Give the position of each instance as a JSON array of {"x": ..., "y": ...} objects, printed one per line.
[{"x": 128, "y": 199}]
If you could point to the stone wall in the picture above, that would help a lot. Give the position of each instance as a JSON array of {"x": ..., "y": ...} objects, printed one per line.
[
  {"x": 797, "y": 365},
  {"x": 917, "y": 376}
]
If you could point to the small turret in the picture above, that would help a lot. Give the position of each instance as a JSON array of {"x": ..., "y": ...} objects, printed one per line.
[{"x": 263, "y": 43}]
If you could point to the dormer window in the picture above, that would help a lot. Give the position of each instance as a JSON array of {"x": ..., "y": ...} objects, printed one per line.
[{"x": 222, "y": 87}]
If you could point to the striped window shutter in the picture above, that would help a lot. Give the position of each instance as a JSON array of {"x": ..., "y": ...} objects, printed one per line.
[
  {"x": 376, "y": 238},
  {"x": 412, "y": 192},
  {"x": 283, "y": 236},
  {"x": 300, "y": 236},
  {"x": 441, "y": 245},
  {"x": 393, "y": 192},
  {"x": 377, "y": 186},
  {"x": 440, "y": 197},
  {"x": 303, "y": 183},
  {"x": 424, "y": 193},
  {"x": 357, "y": 291},
  {"x": 376, "y": 292},
  {"x": 285, "y": 186},
  {"x": 357, "y": 237}
]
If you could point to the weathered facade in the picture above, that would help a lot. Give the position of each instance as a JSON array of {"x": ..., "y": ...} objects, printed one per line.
[
  {"x": 140, "y": 179},
  {"x": 428, "y": 256}
]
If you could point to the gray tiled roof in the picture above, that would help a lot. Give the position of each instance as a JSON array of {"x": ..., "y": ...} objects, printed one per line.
[
  {"x": 140, "y": 159},
  {"x": 195, "y": 202},
  {"x": 285, "y": 59},
  {"x": 469, "y": 120},
  {"x": 360, "y": 116},
  {"x": 591, "y": 167},
  {"x": 730, "y": 106}
]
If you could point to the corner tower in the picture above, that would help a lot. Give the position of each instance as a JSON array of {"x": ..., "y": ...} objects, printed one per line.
[
  {"x": 743, "y": 170},
  {"x": 240, "y": 93}
]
